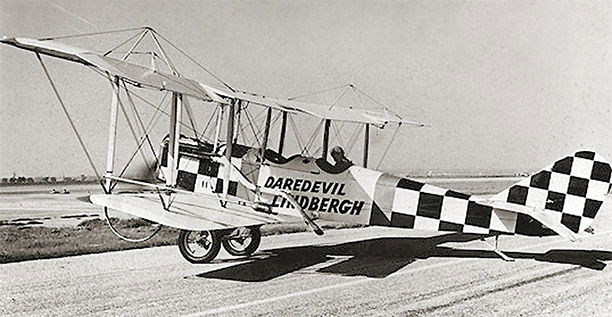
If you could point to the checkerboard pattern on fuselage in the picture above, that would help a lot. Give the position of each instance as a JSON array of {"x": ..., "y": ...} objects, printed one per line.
[
  {"x": 426, "y": 207},
  {"x": 200, "y": 174}
]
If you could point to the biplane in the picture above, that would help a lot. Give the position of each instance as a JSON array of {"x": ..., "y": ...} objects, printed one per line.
[{"x": 220, "y": 191}]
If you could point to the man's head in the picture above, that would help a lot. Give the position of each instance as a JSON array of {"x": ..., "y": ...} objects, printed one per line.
[{"x": 337, "y": 153}]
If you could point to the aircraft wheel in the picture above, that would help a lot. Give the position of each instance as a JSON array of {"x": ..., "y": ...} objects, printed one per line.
[
  {"x": 243, "y": 246},
  {"x": 199, "y": 246}
]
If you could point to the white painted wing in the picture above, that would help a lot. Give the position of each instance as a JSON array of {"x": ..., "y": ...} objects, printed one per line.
[
  {"x": 133, "y": 73},
  {"x": 187, "y": 211},
  {"x": 336, "y": 113},
  {"x": 147, "y": 77}
]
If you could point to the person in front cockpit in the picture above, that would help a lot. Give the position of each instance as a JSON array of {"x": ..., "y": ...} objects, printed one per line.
[{"x": 342, "y": 163}]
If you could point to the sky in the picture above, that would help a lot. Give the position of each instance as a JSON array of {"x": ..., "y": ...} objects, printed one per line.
[{"x": 506, "y": 86}]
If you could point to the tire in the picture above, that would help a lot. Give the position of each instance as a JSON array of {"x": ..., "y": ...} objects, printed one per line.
[
  {"x": 199, "y": 247},
  {"x": 243, "y": 246}
]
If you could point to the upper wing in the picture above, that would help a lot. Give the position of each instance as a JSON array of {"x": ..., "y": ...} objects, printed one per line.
[
  {"x": 336, "y": 113},
  {"x": 133, "y": 73},
  {"x": 142, "y": 76}
]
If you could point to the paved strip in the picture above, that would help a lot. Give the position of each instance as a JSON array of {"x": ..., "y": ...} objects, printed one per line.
[{"x": 365, "y": 280}]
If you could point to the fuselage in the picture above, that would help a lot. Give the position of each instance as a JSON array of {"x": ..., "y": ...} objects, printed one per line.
[{"x": 355, "y": 195}]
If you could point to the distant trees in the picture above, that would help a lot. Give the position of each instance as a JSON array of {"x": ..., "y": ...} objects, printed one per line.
[{"x": 45, "y": 179}]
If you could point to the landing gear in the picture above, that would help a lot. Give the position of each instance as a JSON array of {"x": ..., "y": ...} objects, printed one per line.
[
  {"x": 199, "y": 246},
  {"x": 203, "y": 246},
  {"x": 242, "y": 241}
]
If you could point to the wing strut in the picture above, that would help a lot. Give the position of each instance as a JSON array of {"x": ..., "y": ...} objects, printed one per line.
[
  {"x": 112, "y": 133},
  {"x": 218, "y": 128},
  {"x": 228, "y": 141},
  {"x": 326, "y": 139},
  {"x": 175, "y": 132},
  {"x": 283, "y": 131},
  {"x": 266, "y": 134},
  {"x": 366, "y": 144}
]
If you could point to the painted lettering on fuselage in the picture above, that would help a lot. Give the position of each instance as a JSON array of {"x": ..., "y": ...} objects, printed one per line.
[
  {"x": 305, "y": 185},
  {"x": 311, "y": 195}
]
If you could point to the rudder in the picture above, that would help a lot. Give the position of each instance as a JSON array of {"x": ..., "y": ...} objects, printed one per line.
[{"x": 569, "y": 191}]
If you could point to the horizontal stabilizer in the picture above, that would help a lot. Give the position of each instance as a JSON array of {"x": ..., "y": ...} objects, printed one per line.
[{"x": 538, "y": 214}]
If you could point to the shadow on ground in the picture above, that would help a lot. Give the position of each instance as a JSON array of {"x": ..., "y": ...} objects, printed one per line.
[{"x": 380, "y": 257}]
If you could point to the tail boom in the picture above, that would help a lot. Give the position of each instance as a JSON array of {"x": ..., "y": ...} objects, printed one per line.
[{"x": 563, "y": 198}]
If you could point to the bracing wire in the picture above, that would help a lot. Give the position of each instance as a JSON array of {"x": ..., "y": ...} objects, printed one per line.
[
  {"x": 260, "y": 132},
  {"x": 133, "y": 47},
  {"x": 195, "y": 62},
  {"x": 333, "y": 104},
  {"x": 187, "y": 105},
  {"x": 353, "y": 139},
  {"x": 388, "y": 147},
  {"x": 148, "y": 102},
  {"x": 337, "y": 133},
  {"x": 263, "y": 112},
  {"x": 275, "y": 120},
  {"x": 251, "y": 124},
  {"x": 243, "y": 134},
  {"x": 113, "y": 229},
  {"x": 380, "y": 103},
  {"x": 163, "y": 53},
  {"x": 210, "y": 120},
  {"x": 358, "y": 97},
  {"x": 149, "y": 169},
  {"x": 74, "y": 128},
  {"x": 370, "y": 97},
  {"x": 139, "y": 143},
  {"x": 317, "y": 92},
  {"x": 162, "y": 111},
  {"x": 295, "y": 131},
  {"x": 122, "y": 43},
  {"x": 89, "y": 34},
  {"x": 145, "y": 129},
  {"x": 314, "y": 135}
]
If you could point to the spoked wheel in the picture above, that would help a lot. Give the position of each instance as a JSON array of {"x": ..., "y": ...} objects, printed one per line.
[
  {"x": 199, "y": 246},
  {"x": 245, "y": 243}
]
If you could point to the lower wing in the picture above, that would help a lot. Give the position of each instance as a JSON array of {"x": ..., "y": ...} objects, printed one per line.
[{"x": 189, "y": 212}]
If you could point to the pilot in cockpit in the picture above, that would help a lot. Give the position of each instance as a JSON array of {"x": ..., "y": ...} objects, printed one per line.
[{"x": 342, "y": 163}]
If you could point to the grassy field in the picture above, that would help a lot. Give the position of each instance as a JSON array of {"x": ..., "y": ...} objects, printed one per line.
[{"x": 21, "y": 243}]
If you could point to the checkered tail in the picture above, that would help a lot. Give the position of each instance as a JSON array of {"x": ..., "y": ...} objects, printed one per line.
[{"x": 568, "y": 192}]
